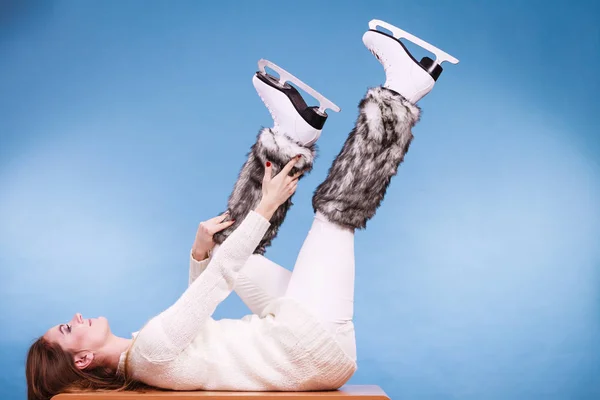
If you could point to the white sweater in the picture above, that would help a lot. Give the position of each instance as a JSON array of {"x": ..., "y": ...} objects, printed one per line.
[{"x": 284, "y": 349}]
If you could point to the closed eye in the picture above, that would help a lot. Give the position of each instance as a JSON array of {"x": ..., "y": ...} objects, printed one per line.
[{"x": 68, "y": 328}]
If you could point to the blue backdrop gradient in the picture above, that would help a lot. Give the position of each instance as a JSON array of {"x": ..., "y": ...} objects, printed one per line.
[{"x": 124, "y": 124}]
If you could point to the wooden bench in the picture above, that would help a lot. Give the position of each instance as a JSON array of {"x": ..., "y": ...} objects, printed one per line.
[{"x": 348, "y": 392}]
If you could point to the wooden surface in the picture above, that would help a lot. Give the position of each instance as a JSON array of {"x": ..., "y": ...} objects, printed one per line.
[{"x": 358, "y": 392}]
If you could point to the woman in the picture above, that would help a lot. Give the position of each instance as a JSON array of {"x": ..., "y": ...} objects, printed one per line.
[{"x": 300, "y": 336}]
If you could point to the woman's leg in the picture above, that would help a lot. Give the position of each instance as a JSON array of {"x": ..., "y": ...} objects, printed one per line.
[
  {"x": 323, "y": 277},
  {"x": 296, "y": 129},
  {"x": 261, "y": 281}
]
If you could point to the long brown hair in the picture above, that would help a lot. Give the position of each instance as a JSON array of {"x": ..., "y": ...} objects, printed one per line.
[{"x": 50, "y": 370}]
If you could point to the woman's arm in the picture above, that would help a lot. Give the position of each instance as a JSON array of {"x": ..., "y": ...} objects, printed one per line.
[
  {"x": 197, "y": 266},
  {"x": 175, "y": 328},
  {"x": 183, "y": 320},
  {"x": 204, "y": 243}
]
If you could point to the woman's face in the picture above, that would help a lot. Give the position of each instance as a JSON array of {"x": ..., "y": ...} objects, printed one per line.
[{"x": 80, "y": 335}]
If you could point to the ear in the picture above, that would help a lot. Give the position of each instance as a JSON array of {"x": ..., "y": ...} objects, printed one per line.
[{"x": 83, "y": 359}]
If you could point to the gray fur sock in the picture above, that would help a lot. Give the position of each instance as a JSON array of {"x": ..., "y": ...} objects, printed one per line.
[
  {"x": 362, "y": 171},
  {"x": 279, "y": 150}
]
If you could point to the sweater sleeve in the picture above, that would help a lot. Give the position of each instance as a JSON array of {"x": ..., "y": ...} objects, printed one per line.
[
  {"x": 197, "y": 267},
  {"x": 175, "y": 328}
]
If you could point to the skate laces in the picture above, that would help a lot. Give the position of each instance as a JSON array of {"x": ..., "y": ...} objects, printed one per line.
[
  {"x": 275, "y": 119},
  {"x": 383, "y": 61}
]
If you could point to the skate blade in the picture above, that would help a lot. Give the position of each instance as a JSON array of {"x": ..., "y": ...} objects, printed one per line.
[
  {"x": 398, "y": 33},
  {"x": 285, "y": 76}
]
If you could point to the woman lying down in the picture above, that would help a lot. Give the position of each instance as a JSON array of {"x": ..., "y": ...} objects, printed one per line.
[{"x": 300, "y": 336}]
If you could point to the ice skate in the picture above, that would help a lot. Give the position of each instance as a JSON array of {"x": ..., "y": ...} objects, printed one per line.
[
  {"x": 296, "y": 129},
  {"x": 404, "y": 74},
  {"x": 291, "y": 115}
]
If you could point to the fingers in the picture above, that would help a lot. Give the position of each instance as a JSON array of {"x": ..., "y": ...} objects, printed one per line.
[
  {"x": 292, "y": 186},
  {"x": 223, "y": 225},
  {"x": 297, "y": 175},
  {"x": 213, "y": 228},
  {"x": 219, "y": 218},
  {"x": 285, "y": 171},
  {"x": 288, "y": 167},
  {"x": 215, "y": 224},
  {"x": 268, "y": 172}
]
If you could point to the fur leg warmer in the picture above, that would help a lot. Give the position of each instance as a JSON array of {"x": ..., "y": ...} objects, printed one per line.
[
  {"x": 362, "y": 171},
  {"x": 279, "y": 149}
]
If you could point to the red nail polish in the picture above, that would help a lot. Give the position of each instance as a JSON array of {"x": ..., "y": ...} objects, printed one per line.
[
  {"x": 268, "y": 163},
  {"x": 298, "y": 156}
]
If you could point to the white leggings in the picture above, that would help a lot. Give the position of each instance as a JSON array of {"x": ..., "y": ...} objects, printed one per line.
[{"x": 322, "y": 280}]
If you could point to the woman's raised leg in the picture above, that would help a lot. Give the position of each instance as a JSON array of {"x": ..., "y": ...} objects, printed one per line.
[
  {"x": 295, "y": 132},
  {"x": 323, "y": 277},
  {"x": 296, "y": 129}
]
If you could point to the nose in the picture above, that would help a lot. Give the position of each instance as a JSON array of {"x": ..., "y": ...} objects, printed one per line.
[{"x": 77, "y": 319}]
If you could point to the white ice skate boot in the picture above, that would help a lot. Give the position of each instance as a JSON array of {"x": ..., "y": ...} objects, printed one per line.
[
  {"x": 404, "y": 74},
  {"x": 291, "y": 115}
]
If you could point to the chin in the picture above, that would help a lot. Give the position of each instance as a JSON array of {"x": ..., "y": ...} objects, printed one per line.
[{"x": 102, "y": 324}]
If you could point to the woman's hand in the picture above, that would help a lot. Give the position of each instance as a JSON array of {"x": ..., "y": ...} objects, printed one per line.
[
  {"x": 204, "y": 242},
  {"x": 276, "y": 190}
]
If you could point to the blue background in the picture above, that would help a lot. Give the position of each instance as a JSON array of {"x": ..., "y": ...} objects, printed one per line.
[{"x": 124, "y": 124}]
